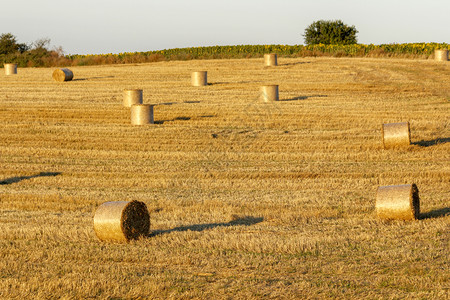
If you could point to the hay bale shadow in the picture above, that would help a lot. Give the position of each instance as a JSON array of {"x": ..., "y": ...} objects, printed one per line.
[
  {"x": 237, "y": 221},
  {"x": 92, "y": 78},
  {"x": 175, "y": 119},
  {"x": 303, "y": 97},
  {"x": 172, "y": 103},
  {"x": 437, "y": 213},
  {"x": 20, "y": 178},
  {"x": 294, "y": 64},
  {"x": 167, "y": 103},
  {"x": 430, "y": 143}
]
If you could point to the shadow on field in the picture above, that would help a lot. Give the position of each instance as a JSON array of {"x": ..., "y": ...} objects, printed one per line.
[
  {"x": 243, "y": 221},
  {"x": 437, "y": 213},
  {"x": 91, "y": 78},
  {"x": 172, "y": 103},
  {"x": 217, "y": 83},
  {"x": 432, "y": 142},
  {"x": 294, "y": 64},
  {"x": 18, "y": 179},
  {"x": 303, "y": 97},
  {"x": 175, "y": 119},
  {"x": 232, "y": 82}
]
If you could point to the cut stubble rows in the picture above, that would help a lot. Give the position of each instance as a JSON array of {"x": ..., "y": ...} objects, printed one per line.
[{"x": 247, "y": 199}]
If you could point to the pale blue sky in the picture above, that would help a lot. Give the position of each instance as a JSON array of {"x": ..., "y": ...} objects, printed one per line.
[{"x": 113, "y": 26}]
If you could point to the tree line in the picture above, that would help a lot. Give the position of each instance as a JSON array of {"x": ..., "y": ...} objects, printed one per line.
[{"x": 322, "y": 38}]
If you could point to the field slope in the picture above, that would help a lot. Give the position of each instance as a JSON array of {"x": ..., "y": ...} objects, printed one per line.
[{"x": 247, "y": 199}]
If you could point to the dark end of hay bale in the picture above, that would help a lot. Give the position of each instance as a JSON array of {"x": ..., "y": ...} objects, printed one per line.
[
  {"x": 62, "y": 75},
  {"x": 121, "y": 221},
  {"x": 398, "y": 202}
]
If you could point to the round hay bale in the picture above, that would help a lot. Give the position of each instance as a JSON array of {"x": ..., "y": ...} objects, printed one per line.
[
  {"x": 270, "y": 59},
  {"x": 199, "y": 78},
  {"x": 396, "y": 135},
  {"x": 62, "y": 75},
  {"x": 441, "y": 55},
  {"x": 141, "y": 114},
  {"x": 121, "y": 221},
  {"x": 269, "y": 93},
  {"x": 398, "y": 202},
  {"x": 131, "y": 97},
  {"x": 10, "y": 69}
]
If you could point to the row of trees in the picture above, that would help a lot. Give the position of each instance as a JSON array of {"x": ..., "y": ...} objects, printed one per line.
[{"x": 37, "y": 54}]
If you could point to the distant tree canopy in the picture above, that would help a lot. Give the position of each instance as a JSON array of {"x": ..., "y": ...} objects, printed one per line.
[
  {"x": 36, "y": 54},
  {"x": 330, "y": 33},
  {"x": 9, "y": 45}
]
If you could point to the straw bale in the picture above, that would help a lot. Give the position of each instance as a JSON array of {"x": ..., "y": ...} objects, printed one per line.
[
  {"x": 132, "y": 96},
  {"x": 396, "y": 135},
  {"x": 269, "y": 93},
  {"x": 62, "y": 75},
  {"x": 398, "y": 202},
  {"x": 199, "y": 78},
  {"x": 441, "y": 55},
  {"x": 142, "y": 114},
  {"x": 10, "y": 69},
  {"x": 121, "y": 221},
  {"x": 270, "y": 59}
]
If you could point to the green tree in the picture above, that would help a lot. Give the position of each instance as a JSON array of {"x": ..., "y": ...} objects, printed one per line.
[
  {"x": 330, "y": 32},
  {"x": 9, "y": 45}
]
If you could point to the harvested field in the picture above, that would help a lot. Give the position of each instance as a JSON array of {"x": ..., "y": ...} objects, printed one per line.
[{"x": 247, "y": 199}]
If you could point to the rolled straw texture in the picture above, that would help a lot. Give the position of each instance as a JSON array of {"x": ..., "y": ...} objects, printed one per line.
[
  {"x": 441, "y": 55},
  {"x": 121, "y": 221},
  {"x": 199, "y": 78},
  {"x": 62, "y": 75},
  {"x": 269, "y": 93},
  {"x": 398, "y": 202},
  {"x": 142, "y": 114},
  {"x": 396, "y": 135},
  {"x": 270, "y": 59},
  {"x": 131, "y": 97},
  {"x": 10, "y": 69}
]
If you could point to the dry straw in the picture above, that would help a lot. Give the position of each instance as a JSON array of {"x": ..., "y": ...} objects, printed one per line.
[
  {"x": 199, "y": 78},
  {"x": 269, "y": 93},
  {"x": 121, "y": 221},
  {"x": 142, "y": 114},
  {"x": 398, "y": 202},
  {"x": 62, "y": 75},
  {"x": 441, "y": 55},
  {"x": 396, "y": 135},
  {"x": 131, "y": 97},
  {"x": 270, "y": 59},
  {"x": 10, "y": 69}
]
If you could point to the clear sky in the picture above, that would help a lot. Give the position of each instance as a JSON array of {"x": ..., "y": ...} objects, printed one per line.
[{"x": 113, "y": 26}]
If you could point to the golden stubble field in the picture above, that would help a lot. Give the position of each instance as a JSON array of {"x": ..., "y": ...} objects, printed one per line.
[{"x": 247, "y": 199}]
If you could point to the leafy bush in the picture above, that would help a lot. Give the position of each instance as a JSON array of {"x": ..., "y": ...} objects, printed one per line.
[
  {"x": 330, "y": 33},
  {"x": 35, "y": 55},
  {"x": 9, "y": 45},
  {"x": 10, "y": 48}
]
